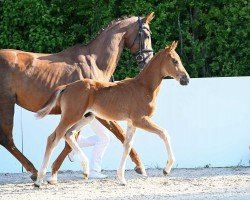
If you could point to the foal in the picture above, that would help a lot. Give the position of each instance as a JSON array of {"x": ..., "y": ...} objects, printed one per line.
[{"x": 133, "y": 100}]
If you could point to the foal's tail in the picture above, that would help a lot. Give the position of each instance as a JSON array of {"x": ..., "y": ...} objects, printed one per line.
[{"x": 51, "y": 103}]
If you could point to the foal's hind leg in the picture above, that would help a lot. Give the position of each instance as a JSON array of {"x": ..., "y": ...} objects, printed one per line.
[
  {"x": 6, "y": 138},
  {"x": 65, "y": 124},
  {"x": 147, "y": 124},
  {"x": 70, "y": 137},
  {"x": 58, "y": 162},
  {"x": 118, "y": 132}
]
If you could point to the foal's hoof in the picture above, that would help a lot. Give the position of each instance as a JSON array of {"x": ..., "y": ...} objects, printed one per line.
[
  {"x": 52, "y": 182},
  {"x": 33, "y": 177},
  {"x": 123, "y": 183},
  {"x": 165, "y": 173},
  {"x": 85, "y": 176}
]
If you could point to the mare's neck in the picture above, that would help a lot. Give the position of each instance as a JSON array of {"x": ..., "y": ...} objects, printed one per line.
[
  {"x": 105, "y": 52},
  {"x": 106, "y": 49}
]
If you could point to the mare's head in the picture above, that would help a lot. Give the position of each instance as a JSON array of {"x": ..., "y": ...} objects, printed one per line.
[
  {"x": 138, "y": 40},
  {"x": 172, "y": 65}
]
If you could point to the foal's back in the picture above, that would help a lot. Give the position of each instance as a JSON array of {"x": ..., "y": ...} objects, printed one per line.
[{"x": 113, "y": 101}]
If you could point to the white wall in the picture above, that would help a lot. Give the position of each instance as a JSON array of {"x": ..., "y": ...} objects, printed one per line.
[{"x": 208, "y": 121}]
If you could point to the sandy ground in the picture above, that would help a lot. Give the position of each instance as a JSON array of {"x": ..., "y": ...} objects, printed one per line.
[{"x": 181, "y": 184}]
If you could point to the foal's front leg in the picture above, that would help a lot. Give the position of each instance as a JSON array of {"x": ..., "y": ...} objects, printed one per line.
[
  {"x": 127, "y": 145},
  {"x": 118, "y": 132},
  {"x": 147, "y": 124}
]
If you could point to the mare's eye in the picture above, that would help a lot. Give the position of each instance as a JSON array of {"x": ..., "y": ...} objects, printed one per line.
[
  {"x": 147, "y": 36},
  {"x": 175, "y": 62}
]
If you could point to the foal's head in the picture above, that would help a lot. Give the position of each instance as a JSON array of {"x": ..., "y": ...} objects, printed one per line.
[
  {"x": 172, "y": 65},
  {"x": 138, "y": 40}
]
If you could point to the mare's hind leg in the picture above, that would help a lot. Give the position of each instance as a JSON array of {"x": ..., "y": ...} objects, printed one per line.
[
  {"x": 147, "y": 124},
  {"x": 6, "y": 138},
  {"x": 118, "y": 132},
  {"x": 71, "y": 144}
]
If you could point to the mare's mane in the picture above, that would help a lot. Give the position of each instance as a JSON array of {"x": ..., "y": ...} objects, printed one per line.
[{"x": 110, "y": 25}]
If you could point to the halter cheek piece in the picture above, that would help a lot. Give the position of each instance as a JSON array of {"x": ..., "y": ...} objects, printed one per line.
[{"x": 140, "y": 56}]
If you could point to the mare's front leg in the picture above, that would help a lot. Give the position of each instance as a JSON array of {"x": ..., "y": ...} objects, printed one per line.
[
  {"x": 147, "y": 124},
  {"x": 118, "y": 132},
  {"x": 127, "y": 145}
]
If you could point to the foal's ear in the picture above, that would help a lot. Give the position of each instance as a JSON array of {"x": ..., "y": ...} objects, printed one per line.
[
  {"x": 149, "y": 18},
  {"x": 172, "y": 46}
]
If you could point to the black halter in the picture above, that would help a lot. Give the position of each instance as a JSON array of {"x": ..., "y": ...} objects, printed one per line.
[{"x": 140, "y": 55}]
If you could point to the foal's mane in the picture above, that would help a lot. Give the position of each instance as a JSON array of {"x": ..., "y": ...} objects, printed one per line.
[
  {"x": 153, "y": 59},
  {"x": 157, "y": 55}
]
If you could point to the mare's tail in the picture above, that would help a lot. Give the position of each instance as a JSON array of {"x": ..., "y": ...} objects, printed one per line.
[{"x": 51, "y": 103}]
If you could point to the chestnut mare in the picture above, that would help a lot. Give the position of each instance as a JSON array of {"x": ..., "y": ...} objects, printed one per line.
[
  {"x": 28, "y": 79},
  {"x": 132, "y": 100}
]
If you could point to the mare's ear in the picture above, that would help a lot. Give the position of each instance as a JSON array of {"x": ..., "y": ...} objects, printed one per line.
[
  {"x": 149, "y": 18},
  {"x": 171, "y": 47}
]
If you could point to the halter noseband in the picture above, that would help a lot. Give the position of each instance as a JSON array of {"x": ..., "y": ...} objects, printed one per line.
[{"x": 139, "y": 56}]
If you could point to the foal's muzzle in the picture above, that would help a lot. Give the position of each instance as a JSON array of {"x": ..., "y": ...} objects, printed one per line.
[{"x": 184, "y": 80}]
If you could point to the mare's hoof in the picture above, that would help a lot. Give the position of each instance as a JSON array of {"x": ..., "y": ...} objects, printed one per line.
[
  {"x": 33, "y": 177},
  {"x": 138, "y": 170},
  {"x": 52, "y": 182},
  {"x": 165, "y": 173},
  {"x": 141, "y": 171}
]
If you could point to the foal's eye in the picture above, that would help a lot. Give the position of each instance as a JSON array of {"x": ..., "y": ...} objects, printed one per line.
[{"x": 175, "y": 62}]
